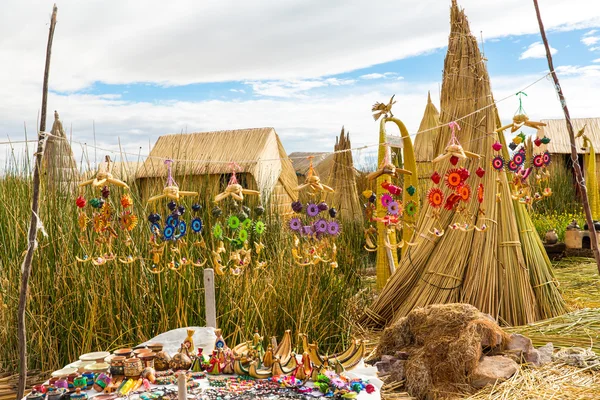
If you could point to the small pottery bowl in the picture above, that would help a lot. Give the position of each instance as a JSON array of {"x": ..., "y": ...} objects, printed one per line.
[
  {"x": 155, "y": 347},
  {"x": 55, "y": 393},
  {"x": 80, "y": 365},
  {"x": 40, "y": 388},
  {"x": 140, "y": 352},
  {"x": 123, "y": 352},
  {"x": 35, "y": 395},
  {"x": 98, "y": 368},
  {"x": 97, "y": 356},
  {"x": 65, "y": 372},
  {"x": 147, "y": 359}
]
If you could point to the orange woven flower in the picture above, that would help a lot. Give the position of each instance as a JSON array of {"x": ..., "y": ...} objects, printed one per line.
[
  {"x": 453, "y": 178},
  {"x": 464, "y": 191},
  {"x": 435, "y": 196},
  {"x": 126, "y": 201},
  {"x": 128, "y": 220},
  {"x": 480, "y": 193}
]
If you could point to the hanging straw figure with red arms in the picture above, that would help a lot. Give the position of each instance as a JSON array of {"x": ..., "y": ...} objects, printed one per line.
[{"x": 106, "y": 222}]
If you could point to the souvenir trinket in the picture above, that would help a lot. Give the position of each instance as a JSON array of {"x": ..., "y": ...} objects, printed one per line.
[
  {"x": 162, "y": 360},
  {"x": 117, "y": 364},
  {"x": 133, "y": 367},
  {"x": 101, "y": 383}
]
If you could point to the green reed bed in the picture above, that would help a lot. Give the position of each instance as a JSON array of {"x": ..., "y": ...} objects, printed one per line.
[{"x": 75, "y": 308}]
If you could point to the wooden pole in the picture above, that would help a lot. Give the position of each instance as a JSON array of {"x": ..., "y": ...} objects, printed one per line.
[
  {"x": 34, "y": 221},
  {"x": 578, "y": 174},
  {"x": 209, "y": 297}
]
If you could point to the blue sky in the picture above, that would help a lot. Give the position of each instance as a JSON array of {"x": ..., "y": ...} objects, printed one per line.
[{"x": 138, "y": 70}]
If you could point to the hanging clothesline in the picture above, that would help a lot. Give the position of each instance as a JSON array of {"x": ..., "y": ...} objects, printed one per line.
[{"x": 324, "y": 154}]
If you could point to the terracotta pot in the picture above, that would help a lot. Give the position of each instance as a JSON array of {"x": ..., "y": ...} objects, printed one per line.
[
  {"x": 139, "y": 352},
  {"x": 155, "y": 347},
  {"x": 117, "y": 366},
  {"x": 123, "y": 352},
  {"x": 133, "y": 367},
  {"x": 148, "y": 359}
]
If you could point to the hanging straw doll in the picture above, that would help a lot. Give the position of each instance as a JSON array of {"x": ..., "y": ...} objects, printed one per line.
[
  {"x": 168, "y": 226},
  {"x": 238, "y": 231},
  {"x": 314, "y": 224},
  {"x": 106, "y": 219}
]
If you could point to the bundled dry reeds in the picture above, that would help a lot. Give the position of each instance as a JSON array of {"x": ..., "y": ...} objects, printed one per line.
[
  {"x": 424, "y": 142},
  {"x": 502, "y": 271},
  {"x": 58, "y": 162},
  {"x": 342, "y": 178}
]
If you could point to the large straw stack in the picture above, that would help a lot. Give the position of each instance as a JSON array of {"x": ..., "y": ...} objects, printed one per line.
[
  {"x": 342, "y": 179},
  {"x": 58, "y": 163},
  {"x": 502, "y": 271},
  {"x": 425, "y": 142}
]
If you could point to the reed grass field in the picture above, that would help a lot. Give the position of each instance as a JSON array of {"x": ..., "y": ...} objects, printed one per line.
[{"x": 75, "y": 307}]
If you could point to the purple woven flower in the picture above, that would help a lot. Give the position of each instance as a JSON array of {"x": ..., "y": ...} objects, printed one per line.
[
  {"x": 393, "y": 208},
  {"x": 322, "y": 206},
  {"x": 333, "y": 228},
  {"x": 295, "y": 224},
  {"x": 297, "y": 206},
  {"x": 307, "y": 230},
  {"x": 386, "y": 199},
  {"x": 312, "y": 210},
  {"x": 321, "y": 226}
]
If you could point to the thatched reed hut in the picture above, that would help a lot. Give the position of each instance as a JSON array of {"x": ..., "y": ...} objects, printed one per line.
[
  {"x": 425, "y": 142},
  {"x": 203, "y": 162},
  {"x": 560, "y": 146},
  {"x": 58, "y": 162},
  {"x": 322, "y": 163}
]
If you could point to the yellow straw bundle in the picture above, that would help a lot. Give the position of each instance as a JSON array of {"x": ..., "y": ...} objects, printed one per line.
[{"x": 503, "y": 271}]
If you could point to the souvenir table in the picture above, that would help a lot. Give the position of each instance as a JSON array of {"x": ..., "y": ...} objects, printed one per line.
[{"x": 202, "y": 385}]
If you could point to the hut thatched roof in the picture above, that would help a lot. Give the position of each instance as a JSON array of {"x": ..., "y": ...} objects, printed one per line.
[
  {"x": 425, "y": 142},
  {"x": 322, "y": 163},
  {"x": 257, "y": 151},
  {"x": 556, "y": 130},
  {"x": 123, "y": 170}
]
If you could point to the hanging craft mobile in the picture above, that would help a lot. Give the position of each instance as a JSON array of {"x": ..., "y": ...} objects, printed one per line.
[
  {"x": 456, "y": 181},
  {"x": 527, "y": 157},
  {"x": 167, "y": 238},
  {"x": 107, "y": 224},
  {"x": 383, "y": 110},
  {"x": 314, "y": 225},
  {"x": 521, "y": 119},
  {"x": 237, "y": 234},
  {"x": 391, "y": 200}
]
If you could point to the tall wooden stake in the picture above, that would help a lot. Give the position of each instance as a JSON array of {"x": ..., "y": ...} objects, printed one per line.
[
  {"x": 578, "y": 175},
  {"x": 33, "y": 224}
]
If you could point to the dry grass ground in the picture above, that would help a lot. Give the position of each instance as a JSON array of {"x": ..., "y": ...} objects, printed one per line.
[{"x": 580, "y": 285}]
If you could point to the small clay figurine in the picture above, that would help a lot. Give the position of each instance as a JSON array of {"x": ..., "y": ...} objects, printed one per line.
[{"x": 573, "y": 226}]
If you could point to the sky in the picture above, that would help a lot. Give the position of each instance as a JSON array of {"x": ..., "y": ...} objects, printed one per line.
[{"x": 124, "y": 73}]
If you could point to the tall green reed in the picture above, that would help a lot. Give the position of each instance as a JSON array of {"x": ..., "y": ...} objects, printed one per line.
[{"x": 78, "y": 307}]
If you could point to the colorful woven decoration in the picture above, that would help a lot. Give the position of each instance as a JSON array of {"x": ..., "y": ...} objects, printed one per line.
[
  {"x": 106, "y": 219},
  {"x": 238, "y": 231},
  {"x": 456, "y": 181},
  {"x": 170, "y": 227},
  {"x": 314, "y": 224}
]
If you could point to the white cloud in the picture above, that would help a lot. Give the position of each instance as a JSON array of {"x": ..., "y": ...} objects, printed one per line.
[
  {"x": 590, "y": 40},
  {"x": 597, "y": 60},
  {"x": 237, "y": 90},
  {"x": 590, "y": 33},
  {"x": 536, "y": 50},
  {"x": 281, "y": 49},
  {"x": 377, "y": 75}
]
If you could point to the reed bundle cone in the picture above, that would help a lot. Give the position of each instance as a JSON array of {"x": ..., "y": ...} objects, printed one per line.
[
  {"x": 425, "y": 142},
  {"x": 342, "y": 178},
  {"x": 58, "y": 162},
  {"x": 503, "y": 271}
]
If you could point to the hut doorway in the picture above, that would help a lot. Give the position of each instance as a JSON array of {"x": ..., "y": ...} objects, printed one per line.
[{"x": 586, "y": 243}]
